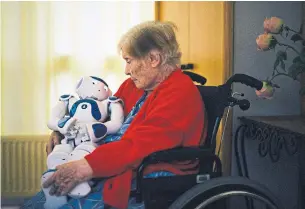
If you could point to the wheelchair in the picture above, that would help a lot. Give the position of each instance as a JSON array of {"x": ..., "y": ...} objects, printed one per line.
[{"x": 208, "y": 188}]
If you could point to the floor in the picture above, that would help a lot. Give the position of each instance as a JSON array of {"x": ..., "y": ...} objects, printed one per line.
[{"x": 11, "y": 203}]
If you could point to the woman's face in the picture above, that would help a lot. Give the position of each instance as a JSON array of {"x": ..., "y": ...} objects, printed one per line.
[{"x": 142, "y": 72}]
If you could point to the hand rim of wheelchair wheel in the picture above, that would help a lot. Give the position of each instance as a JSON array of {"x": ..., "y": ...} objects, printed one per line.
[
  {"x": 220, "y": 196},
  {"x": 209, "y": 190}
]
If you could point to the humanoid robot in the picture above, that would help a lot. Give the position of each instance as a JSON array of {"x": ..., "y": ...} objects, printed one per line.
[{"x": 84, "y": 119}]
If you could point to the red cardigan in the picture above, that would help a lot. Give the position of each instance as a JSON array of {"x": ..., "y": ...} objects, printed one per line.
[{"x": 172, "y": 115}]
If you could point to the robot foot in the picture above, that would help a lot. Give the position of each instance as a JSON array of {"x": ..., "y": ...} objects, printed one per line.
[
  {"x": 81, "y": 190},
  {"x": 52, "y": 202}
]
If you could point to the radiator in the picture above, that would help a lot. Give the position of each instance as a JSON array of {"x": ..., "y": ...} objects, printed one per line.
[{"x": 23, "y": 162}]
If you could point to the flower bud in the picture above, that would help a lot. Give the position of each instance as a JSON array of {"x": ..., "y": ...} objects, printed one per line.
[
  {"x": 265, "y": 42},
  {"x": 273, "y": 25},
  {"x": 266, "y": 92}
]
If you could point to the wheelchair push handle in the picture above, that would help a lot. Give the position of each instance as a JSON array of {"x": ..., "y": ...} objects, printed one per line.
[
  {"x": 247, "y": 80},
  {"x": 196, "y": 77}
]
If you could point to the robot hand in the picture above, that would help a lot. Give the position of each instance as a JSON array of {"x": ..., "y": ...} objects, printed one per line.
[
  {"x": 66, "y": 126},
  {"x": 82, "y": 135},
  {"x": 72, "y": 132}
]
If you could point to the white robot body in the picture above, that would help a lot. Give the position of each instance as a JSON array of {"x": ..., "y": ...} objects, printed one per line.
[
  {"x": 90, "y": 111},
  {"x": 83, "y": 123}
]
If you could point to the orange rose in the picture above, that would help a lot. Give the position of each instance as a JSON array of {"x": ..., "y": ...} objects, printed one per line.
[
  {"x": 265, "y": 42},
  {"x": 266, "y": 92},
  {"x": 273, "y": 25}
]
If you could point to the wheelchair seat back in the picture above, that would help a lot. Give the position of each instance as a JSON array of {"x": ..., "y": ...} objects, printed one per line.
[{"x": 215, "y": 102}]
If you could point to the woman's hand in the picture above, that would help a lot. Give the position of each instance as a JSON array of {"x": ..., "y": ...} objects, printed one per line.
[
  {"x": 67, "y": 176},
  {"x": 54, "y": 139}
]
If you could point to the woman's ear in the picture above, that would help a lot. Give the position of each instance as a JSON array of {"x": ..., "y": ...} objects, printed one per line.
[{"x": 155, "y": 58}]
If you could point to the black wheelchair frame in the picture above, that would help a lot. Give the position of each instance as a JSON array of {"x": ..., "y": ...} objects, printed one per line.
[{"x": 202, "y": 189}]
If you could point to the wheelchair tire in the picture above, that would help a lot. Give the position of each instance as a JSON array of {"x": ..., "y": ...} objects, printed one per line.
[{"x": 222, "y": 187}]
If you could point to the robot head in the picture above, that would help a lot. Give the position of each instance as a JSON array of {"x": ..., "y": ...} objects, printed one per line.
[{"x": 93, "y": 87}]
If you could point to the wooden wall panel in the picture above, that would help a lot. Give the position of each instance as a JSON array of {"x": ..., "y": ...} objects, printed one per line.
[
  {"x": 177, "y": 12},
  {"x": 206, "y": 40}
]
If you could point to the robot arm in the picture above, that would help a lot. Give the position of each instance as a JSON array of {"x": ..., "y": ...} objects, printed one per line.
[
  {"x": 59, "y": 113},
  {"x": 98, "y": 130},
  {"x": 116, "y": 117}
]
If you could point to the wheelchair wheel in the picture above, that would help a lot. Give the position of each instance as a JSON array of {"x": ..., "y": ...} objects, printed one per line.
[{"x": 208, "y": 194}]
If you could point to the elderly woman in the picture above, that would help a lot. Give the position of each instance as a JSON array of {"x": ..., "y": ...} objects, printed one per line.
[{"x": 163, "y": 110}]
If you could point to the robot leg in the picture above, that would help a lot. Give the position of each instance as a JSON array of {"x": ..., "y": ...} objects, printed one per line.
[
  {"x": 58, "y": 156},
  {"x": 78, "y": 153}
]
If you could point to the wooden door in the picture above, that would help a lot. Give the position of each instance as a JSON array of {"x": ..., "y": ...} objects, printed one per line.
[{"x": 177, "y": 12}]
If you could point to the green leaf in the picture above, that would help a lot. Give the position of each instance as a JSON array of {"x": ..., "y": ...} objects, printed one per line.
[
  {"x": 283, "y": 65},
  {"x": 282, "y": 55},
  {"x": 302, "y": 66},
  {"x": 296, "y": 37},
  {"x": 296, "y": 59},
  {"x": 276, "y": 63},
  {"x": 295, "y": 69},
  {"x": 302, "y": 90}
]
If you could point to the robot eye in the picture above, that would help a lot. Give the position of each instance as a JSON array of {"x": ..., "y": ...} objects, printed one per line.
[
  {"x": 106, "y": 88},
  {"x": 93, "y": 83}
]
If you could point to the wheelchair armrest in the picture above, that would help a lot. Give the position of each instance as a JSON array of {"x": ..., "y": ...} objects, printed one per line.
[
  {"x": 178, "y": 154},
  {"x": 174, "y": 155}
]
